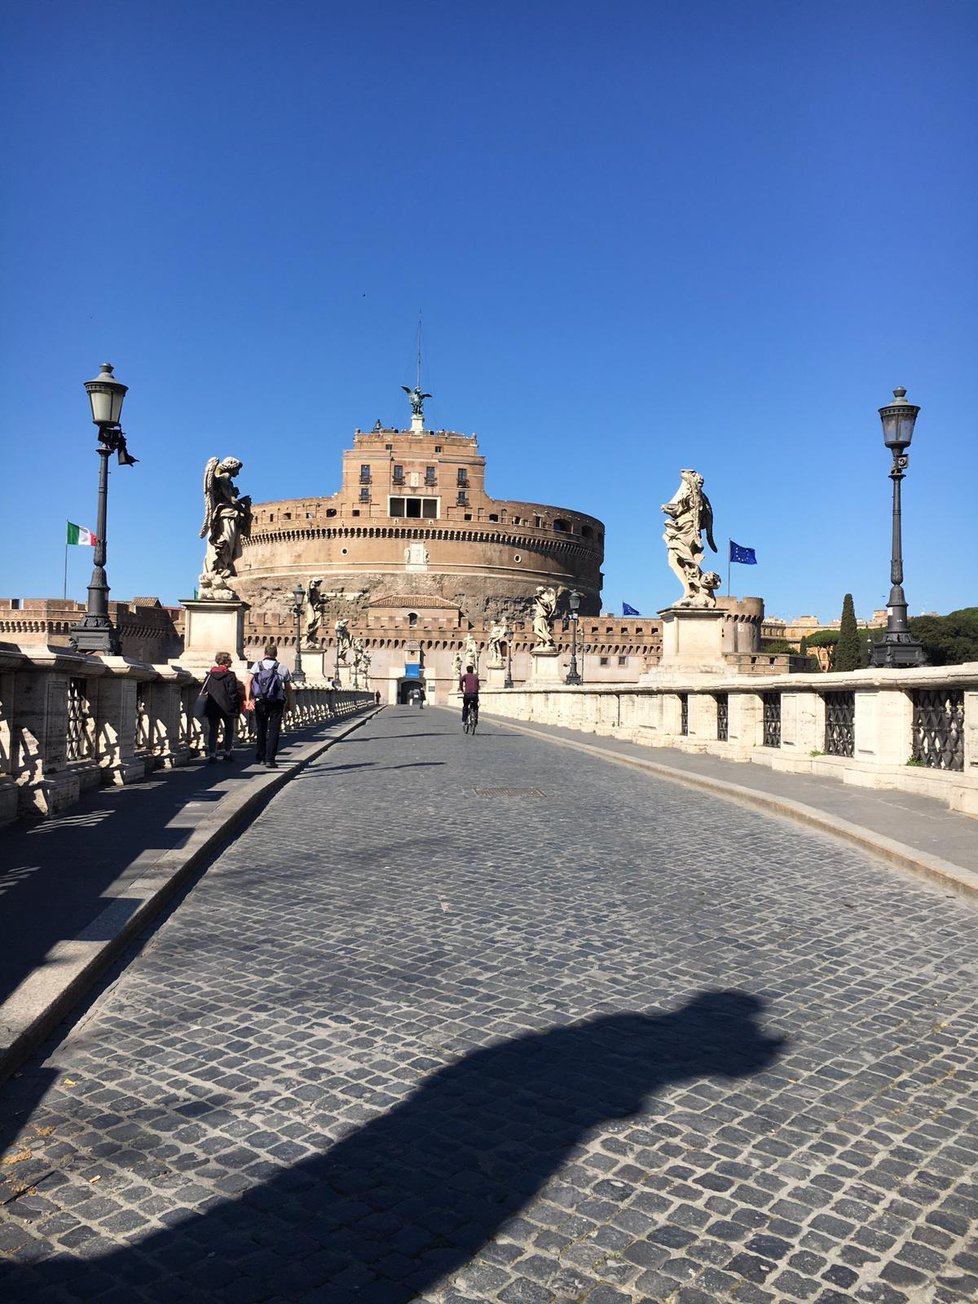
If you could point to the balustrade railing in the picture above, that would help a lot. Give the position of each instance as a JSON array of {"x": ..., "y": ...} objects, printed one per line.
[
  {"x": 840, "y": 724},
  {"x": 938, "y": 728},
  {"x": 69, "y": 722},
  {"x": 79, "y": 722},
  {"x": 723, "y": 716},
  {"x": 772, "y": 719}
]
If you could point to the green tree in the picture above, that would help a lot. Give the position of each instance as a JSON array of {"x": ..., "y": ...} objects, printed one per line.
[
  {"x": 849, "y": 649},
  {"x": 948, "y": 640}
]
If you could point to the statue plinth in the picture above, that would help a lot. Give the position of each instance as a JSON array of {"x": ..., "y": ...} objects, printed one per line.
[
  {"x": 211, "y": 626},
  {"x": 495, "y": 675},
  {"x": 545, "y": 665},
  {"x": 708, "y": 640}
]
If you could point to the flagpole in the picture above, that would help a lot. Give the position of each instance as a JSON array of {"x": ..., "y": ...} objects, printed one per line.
[
  {"x": 728, "y": 569},
  {"x": 66, "y": 568}
]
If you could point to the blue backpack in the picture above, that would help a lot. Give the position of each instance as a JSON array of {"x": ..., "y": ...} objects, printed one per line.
[{"x": 267, "y": 685}]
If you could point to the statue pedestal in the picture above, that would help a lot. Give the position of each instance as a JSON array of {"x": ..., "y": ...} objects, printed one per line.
[
  {"x": 693, "y": 640},
  {"x": 545, "y": 666},
  {"x": 495, "y": 676},
  {"x": 212, "y": 626}
]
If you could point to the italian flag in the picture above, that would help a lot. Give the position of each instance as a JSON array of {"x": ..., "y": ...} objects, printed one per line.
[{"x": 78, "y": 534}]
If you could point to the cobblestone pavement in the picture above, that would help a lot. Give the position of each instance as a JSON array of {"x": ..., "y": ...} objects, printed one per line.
[{"x": 464, "y": 1019}]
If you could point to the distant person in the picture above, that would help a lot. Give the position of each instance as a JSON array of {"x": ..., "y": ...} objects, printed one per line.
[
  {"x": 377, "y": 697},
  {"x": 469, "y": 688},
  {"x": 269, "y": 685},
  {"x": 224, "y": 697}
]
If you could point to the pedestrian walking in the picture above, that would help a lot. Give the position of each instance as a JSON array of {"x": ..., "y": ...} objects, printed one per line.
[
  {"x": 269, "y": 685},
  {"x": 224, "y": 697},
  {"x": 377, "y": 697}
]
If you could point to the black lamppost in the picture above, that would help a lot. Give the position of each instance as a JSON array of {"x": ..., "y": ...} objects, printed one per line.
[
  {"x": 96, "y": 633},
  {"x": 898, "y": 647},
  {"x": 298, "y": 608},
  {"x": 574, "y": 602},
  {"x": 508, "y": 680}
]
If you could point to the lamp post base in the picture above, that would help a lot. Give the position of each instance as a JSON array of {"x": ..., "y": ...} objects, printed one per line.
[
  {"x": 897, "y": 651},
  {"x": 96, "y": 634}
]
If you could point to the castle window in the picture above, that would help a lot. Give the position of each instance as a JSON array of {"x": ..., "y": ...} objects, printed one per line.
[
  {"x": 437, "y": 448},
  {"x": 388, "y": 448},
  {"x": 364, "y": 472},
  {"x": 468, "y": 516},
  {"x": 429, "y": 475},
  {"x": 398, "y": 474},
  {"x": 517, "y": 520},
  {"x": 462, "y": 498},
  {"x": 412, "y": 618},
  {"x": 517, "y": 557},
  {"x": 271, "y": 517},
  {"x": 564, "y": 526},
  {"x": 538, "y": 521},
  {"x": 587, "y": 532},
  {"x": 330, "y": 511},
  {"x": 494, "y": 516},
  {"x": 463, "y": 476},
  {"x": 365, "y": 494},
  {"x": 286, "y": 516},
  {"x": 416, "y": 507},
  {"x": 623, "y": 661},
  {"x": 604, "y": 661}
]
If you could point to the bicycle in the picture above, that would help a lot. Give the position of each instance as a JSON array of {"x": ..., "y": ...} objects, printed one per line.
[{"x": 471, "y": 721}]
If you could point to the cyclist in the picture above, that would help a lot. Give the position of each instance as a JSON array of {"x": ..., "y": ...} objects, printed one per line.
[{"x": 469, "y": 687}]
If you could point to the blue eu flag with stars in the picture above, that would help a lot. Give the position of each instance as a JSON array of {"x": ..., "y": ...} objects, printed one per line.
[
  {"x": 745, "y": 556},
  {"x": 626, "y": 610}
]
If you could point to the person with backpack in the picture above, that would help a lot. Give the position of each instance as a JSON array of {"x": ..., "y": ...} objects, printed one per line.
[
  {"x": 269, "y": 686},
  {"x": 224, "y": 695}
]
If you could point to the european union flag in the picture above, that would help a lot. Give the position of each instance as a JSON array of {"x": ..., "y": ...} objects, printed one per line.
[
  {"x": 626, "y": 610},
  {"x": 745, "y": 556}
]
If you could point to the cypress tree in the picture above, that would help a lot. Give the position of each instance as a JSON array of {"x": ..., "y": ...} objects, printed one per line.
[{"x": 849, "y": 649}]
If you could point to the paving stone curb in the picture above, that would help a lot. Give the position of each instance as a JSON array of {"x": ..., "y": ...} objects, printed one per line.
[
  {"x": 47, "y": 994},
  {"x": 954, "y": 878}
]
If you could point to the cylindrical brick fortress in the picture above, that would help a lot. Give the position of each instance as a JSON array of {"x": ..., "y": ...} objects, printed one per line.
[{"x": 413, "y": 518}]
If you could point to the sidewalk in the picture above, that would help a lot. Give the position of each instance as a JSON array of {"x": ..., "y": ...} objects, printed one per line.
[
  {"x": 75, "y": 889},
  {"x": 910, "y": 832}
]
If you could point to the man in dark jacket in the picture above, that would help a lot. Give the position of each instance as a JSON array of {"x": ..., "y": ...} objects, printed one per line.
[{"x": 224, "y": 696}]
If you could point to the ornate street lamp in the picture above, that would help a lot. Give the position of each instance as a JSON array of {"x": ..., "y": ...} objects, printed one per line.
[
  {"x": 574, "y": 602},
  {"x": 898, "y": 647},
  {"x": 96, "y": 633},
  {"x": 508, "y": 681},
  {"x": 298, "y": 608}
]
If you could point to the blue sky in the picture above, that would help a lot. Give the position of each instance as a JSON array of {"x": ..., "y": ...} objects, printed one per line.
[{"x": 643, "y": 236}]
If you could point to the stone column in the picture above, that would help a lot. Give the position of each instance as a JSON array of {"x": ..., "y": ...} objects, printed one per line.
[
  {"x": 802, "y": 723},
  {"x": 116, "y": 720}
]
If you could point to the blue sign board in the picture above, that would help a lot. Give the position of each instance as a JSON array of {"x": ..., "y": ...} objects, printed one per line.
[{"x": 412, "y": 672}]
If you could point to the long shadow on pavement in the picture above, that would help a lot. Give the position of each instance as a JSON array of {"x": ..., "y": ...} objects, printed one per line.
[{"x": 415, "y": 1193}]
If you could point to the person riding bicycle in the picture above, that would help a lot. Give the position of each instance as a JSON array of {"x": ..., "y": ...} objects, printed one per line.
[{"x": 469, "y": 687}]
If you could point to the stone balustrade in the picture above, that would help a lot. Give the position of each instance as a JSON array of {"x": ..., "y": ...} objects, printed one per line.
[
  {"x": 70, "y": 722},
  {"x": 912, "y": 730}
]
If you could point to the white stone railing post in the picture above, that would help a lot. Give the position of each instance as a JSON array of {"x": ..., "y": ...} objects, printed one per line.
[
  {"x": 745, "y": 723},
  {"x": 119, "y": 751},
  {"x": 884, "y": 725}
]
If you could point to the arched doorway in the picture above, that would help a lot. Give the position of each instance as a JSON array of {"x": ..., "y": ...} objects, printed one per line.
[{"x": 406, "y": 688}]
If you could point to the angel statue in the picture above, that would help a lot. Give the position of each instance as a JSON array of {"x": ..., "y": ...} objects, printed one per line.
[
  {"x": 416, "y": 399},
  {"x": 471, "y": 650},
  {"x": 544, "y": 606},
  {"x": 227, "y": 519},
  {"x": 343, "y": 641},
  {"x": 688, "y": 516},
  {"x": 314, "y": 610},
  {"x": 498, "y": 635}
]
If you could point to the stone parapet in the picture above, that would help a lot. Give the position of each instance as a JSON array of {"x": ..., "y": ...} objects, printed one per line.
[
  {"x": 70, "y": 722},
  {"x": 909, "y": 730}
]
